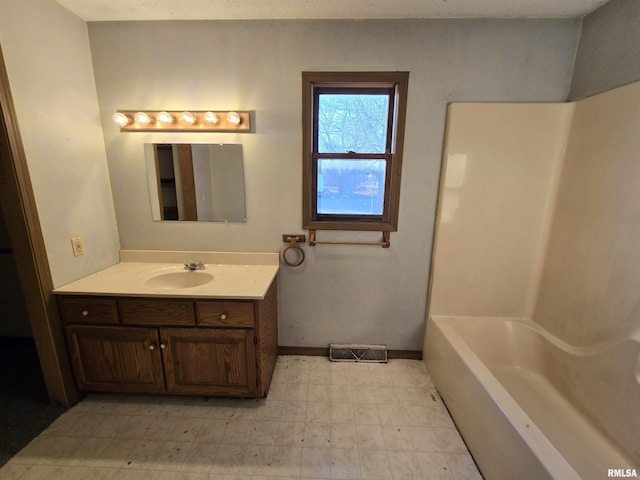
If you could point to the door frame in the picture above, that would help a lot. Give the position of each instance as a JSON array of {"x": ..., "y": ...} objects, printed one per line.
[{"x": 18, "y": 205}]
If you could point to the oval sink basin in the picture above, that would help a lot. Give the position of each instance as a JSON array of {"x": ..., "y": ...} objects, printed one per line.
[{"x": 184, "y": 279}]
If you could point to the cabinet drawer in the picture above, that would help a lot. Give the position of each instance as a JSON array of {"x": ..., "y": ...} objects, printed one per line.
[
  {"x": 135, "y": 311},
  {"x": 88, "y": 310},
  {"x": 225, "y": 314}
]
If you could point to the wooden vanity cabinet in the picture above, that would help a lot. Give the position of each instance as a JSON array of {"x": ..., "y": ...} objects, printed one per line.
[{"x": 181, "y": 346}]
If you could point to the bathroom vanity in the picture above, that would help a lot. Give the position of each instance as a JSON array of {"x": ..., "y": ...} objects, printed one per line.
[{"x": 150, "y": 326}]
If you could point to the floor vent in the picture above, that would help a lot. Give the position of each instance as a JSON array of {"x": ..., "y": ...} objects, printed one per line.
[{"x": 357, "y": 353}]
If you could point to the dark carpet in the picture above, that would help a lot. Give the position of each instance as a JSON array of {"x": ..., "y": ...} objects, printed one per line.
[{"x": 25, "y": 410}]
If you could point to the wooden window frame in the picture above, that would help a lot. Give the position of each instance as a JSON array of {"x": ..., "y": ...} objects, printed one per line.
[{"x": 315, "y": 83}]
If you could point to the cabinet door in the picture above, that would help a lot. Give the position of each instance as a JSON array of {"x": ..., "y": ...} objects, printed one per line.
[
  {"x": 116, "y": 359},
  {"x": 209, "y": 361}
]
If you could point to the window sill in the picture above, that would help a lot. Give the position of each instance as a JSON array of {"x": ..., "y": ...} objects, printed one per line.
[{"x": 353, "y": 226}]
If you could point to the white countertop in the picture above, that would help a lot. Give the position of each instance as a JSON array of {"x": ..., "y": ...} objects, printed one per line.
[{"x": 235, "y": 275}]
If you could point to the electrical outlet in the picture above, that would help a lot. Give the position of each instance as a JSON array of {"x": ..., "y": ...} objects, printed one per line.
[{"x": 78, "y": 246}]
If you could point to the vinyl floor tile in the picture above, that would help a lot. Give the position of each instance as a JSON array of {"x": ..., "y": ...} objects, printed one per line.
[{"x": 321, "y": 420}]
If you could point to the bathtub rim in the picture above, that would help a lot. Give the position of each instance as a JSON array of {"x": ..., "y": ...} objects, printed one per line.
[{"x": 632, "y": 335}]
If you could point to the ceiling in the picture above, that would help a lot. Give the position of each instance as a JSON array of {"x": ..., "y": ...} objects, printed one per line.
[{"x": 111, "y": 10}]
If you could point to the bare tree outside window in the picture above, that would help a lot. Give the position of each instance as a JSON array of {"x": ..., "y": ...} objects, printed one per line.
[
  {"x": 352, "y": 123},
  {"x": 356, "y": 123}
]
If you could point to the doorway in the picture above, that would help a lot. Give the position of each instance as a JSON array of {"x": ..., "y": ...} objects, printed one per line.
[
  {"x": 25, "y": 409},
  {"x": 14, "y": 321},
  {"x": 26, "y": 242}
]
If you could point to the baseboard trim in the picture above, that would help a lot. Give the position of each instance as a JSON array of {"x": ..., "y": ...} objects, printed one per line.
[
  {"x": 405, "y": 354},
  {"x": 308, "y": 351},
  {"x": 324, "y": 352}
]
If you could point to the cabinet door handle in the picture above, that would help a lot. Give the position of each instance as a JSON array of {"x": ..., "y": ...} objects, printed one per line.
[
  {"x": 163, "y": 346},
  {"x": 85, "y": 313},
  {"x": 223, "y": 316},
  {"x": 152, "y": 347}
]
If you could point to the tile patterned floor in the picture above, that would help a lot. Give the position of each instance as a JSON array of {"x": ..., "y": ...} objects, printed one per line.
[{"x": 321, "y": 420}]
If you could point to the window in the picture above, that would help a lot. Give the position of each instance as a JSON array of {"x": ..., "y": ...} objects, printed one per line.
[{"x": 353, "y": 128}]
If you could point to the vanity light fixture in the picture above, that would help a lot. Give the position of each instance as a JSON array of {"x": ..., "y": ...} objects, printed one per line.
[
  {"x": 188, "y": 118},
  {"x": 142, "y": 119},
  {"x": 233, "y": 118},
  {"x": 211, "y": 118},
  {"x": 185, "y": 121},
  {"x": 165, "y": 118},
  {"x": 121, "y": 119}
]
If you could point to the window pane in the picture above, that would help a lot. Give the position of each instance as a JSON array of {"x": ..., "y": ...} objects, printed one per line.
[
  {"x": 352, "y": 123},
  {"x": 350, "y": 187}
]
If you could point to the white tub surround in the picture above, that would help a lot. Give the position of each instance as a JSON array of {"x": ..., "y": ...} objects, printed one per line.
[
  {"x": 538, "y": 220},
  {"x": 235, "y": 275},
  {"x": 501, "y": 169}
]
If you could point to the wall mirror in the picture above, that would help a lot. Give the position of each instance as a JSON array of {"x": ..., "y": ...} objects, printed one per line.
[{"x": 196, "y": 182}]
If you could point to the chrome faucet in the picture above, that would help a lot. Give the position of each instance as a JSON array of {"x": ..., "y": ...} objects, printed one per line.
[{"x": 197, "y": 265}]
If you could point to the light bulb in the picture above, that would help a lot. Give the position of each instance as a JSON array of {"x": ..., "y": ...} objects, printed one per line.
[
  {"x": 233, "y": 118},
  {"x": 211, "y": 118},
  {"x": 121, "y": 119},
  {"x": 188, "y": 117},
  {"x": 142, "y": 119},
  {"x": 165, "y": 118}
]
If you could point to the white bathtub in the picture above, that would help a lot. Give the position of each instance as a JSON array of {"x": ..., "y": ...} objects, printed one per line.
[{"x": 519, "y": 420}]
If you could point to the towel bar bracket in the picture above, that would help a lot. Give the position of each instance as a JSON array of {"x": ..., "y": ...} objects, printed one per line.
[{"x": 297, "y": 237}]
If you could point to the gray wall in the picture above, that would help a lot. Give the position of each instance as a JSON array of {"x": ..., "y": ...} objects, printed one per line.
[
  {"x": 341, "y": 293},
  {"x": 46, "y": 52},
  {"x": 609, "y": 49}
]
